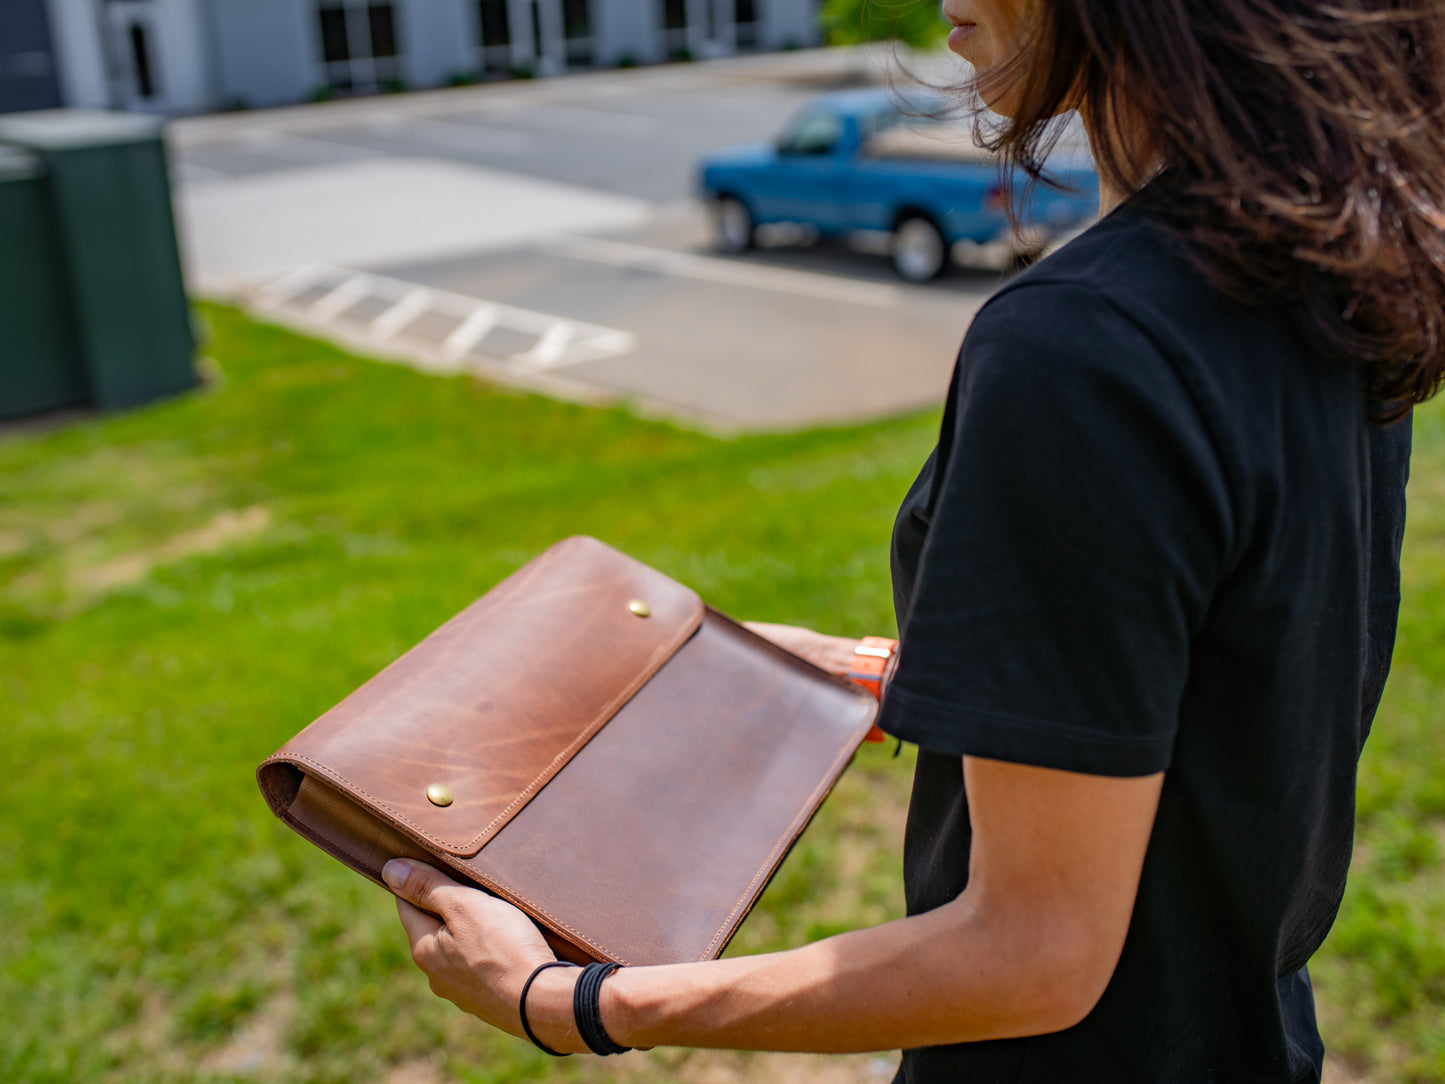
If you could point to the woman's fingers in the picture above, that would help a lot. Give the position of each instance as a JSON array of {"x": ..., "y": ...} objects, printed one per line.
[
  {"x": 416, "y": 922},
  {"x": 420, "y": 885},
  {"x": 831, "y": 653},
  {"x": 475, "y": 949}
]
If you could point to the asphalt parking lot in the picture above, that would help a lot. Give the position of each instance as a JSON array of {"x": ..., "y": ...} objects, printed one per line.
[{"x": 548, "y": 234}]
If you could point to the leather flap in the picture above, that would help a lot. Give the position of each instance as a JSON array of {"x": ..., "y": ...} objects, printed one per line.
[{"x": 497, "y": 700}]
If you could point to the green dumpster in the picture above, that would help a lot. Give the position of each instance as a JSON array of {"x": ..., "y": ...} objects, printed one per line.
[
  {"x": 95, "y": 210},
  {"x": 40, "y": 362}
]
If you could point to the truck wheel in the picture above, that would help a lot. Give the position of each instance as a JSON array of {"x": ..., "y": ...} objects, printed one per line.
[
  {"x": 732, "y": 225},
  {"x": 919, "y": 250}
]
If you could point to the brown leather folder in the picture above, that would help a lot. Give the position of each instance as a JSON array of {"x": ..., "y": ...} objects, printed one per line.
[{"x": 590, "y": 742}]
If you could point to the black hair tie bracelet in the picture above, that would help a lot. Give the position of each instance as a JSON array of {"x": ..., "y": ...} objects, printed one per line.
[
  {"x": 522, "y": 1006},
  {"x": 587, "y": 1007}
]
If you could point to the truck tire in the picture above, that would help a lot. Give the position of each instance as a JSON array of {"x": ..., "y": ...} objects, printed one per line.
[
  {"x": 919, "y": 251},
  {"x": 732, "y": 225}
]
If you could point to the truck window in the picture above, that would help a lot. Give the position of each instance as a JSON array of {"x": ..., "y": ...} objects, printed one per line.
[
  {"x": 811, "y": 133},
  {"x": 870, "y": 124}
]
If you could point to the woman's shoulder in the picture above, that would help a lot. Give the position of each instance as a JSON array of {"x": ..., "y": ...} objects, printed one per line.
[
  {"x": 1125, "y": 296},
  {"x": 1116, "y": 297},
  {"x": 1127, "y": 260}
]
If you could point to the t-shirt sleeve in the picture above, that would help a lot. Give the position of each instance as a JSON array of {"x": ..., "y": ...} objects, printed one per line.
[{"x": 1079, "y": 524}]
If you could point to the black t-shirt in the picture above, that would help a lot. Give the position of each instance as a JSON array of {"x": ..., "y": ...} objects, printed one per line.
[{"x": 1158, "y": 534}]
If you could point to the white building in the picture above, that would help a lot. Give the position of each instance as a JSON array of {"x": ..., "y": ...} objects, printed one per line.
[{"x": 192, "y": 56}]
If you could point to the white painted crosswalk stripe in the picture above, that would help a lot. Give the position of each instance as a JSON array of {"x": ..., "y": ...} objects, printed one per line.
[
  {"x": 471, "y": 331},
  {"x": 556, "y": 341},
  {"x": 281, "y": 290},
  {"x": 402, "y": 313},
  {"x": 347, "y": 294},
  {"x": 550, "y": 347}
]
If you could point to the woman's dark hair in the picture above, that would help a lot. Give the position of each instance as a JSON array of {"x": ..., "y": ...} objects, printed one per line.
[{"x": 1302, "y": 144}]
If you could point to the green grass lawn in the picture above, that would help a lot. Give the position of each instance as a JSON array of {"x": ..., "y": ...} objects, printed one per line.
[{"x": 185, "y": 586}]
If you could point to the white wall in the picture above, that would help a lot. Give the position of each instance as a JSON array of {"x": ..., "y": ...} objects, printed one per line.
[
  {"x": 182, "y": 57},
  {"x": 266, "y": 52},
  {"x": 627, "y": 28},
  {"x": 438, "y": 40},
  {"x": 788, "y": 22},
  {"x": 75, "y": 33},
  {"x": 552, "y": 55}
]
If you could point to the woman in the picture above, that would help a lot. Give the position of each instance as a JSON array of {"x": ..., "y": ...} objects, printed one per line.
[{"x": 1147, "y": 583}]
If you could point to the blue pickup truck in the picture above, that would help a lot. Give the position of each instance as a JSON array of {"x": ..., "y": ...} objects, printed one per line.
[{"x": 877, "y": 161}]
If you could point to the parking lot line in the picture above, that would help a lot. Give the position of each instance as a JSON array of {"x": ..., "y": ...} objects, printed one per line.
[
  {"x": 556, "y": 341},
  {"x": 731, "y": 272},
  {"x": 402, "y": 313},
  {"x": 471, "y": 331},
  {"x": 288, "y": 285},
  {"x": 340, "y": 299},
  {"x": 550, "y": 347}
]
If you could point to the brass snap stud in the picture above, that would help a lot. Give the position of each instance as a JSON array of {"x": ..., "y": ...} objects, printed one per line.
[
  {"x": 439, "y": 794},
  {"x": 640, "y": 608}
]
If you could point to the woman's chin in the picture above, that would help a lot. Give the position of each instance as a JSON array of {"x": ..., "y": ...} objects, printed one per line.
[
  {"x": 958, "y": 38},
  {"x": 997, "y": 90}
]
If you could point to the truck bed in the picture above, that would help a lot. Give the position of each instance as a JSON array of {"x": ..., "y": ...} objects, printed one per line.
[{"x": 927, "y": 143}]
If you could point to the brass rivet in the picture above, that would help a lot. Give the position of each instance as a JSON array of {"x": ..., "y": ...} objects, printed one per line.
[
  {"x": 640, "y": 608},
  {"x": 439, "y": 794}
]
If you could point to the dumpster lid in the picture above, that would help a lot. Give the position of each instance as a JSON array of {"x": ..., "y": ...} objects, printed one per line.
[
  {"x": 19, "y": 165},
  {"x": 73, "y": 129}
]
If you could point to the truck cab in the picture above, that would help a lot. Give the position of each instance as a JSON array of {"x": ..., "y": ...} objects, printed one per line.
[{"x": 880, "y": 161}]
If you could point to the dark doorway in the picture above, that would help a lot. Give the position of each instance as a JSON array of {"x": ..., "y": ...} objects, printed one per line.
[
  {"x": 495, "y": 25},
  {"x": 28, "y": 76},
  {"x": 676, "y": 42},
  {"x": 746, "y": 24},
  {"x": 140, "y": 61},
  {"x": 577, "y": 32},
  {"x": 674, "y": 14}
]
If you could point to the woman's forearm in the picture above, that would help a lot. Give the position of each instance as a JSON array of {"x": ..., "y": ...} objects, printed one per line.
[
  {"x": 943, "y": 977},
  {"x": 1028, "y": 948}
]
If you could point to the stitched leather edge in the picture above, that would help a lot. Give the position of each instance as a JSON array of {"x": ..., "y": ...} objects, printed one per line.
[
  {"x": 745, "y": 903},
  {"x": 654, "y": 663},
  {"x": 749, "y": 897},
  {"x": 454, "y": 857},
  {"x": 457, "y": 863},
  {"x": 516, "y": 898},
  {"x": 468, "y": 848}
]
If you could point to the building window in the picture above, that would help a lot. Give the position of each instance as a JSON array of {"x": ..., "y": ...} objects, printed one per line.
[
  {"x": 140, "y": 58},
  {"x": 536, "y": 28},
  {"x": 577, "y": 32},
  {"x": 747, "y": 28},
  {"x": 811, "y": 134},
  {"x": 382, "y": 24},
  {"x": 674, "y": 29},
  {"x": 333, "y": 35},
  {"x": 359, "y": 47},
  {"x": 494, "y": 22}
]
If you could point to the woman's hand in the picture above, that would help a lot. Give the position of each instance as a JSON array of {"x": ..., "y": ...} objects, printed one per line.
[
  {"x": 480, "y": 950},
  {"x": 831, "y": 653}
]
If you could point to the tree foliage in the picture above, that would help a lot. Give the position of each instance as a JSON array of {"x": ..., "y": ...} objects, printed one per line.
[{"x": 916, "y": 23}]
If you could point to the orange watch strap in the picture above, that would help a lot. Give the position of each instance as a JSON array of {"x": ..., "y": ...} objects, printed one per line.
[{"x": 872, "y": 660}]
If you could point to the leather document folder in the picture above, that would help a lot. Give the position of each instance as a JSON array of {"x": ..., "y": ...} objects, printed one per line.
[{"x": 589, "y": 741}]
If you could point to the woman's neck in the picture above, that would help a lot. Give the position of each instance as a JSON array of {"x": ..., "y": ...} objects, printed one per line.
[{"x": 1132, "y": 138}]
